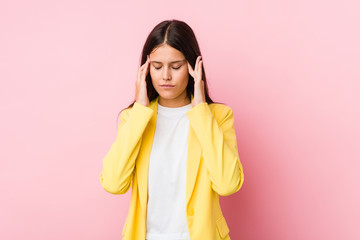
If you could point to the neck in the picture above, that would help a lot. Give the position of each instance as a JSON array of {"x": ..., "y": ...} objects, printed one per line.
[{"x": 173, "y": 103}]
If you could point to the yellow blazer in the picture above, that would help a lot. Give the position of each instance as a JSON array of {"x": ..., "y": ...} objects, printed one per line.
[{"x": 213, "y": 167}]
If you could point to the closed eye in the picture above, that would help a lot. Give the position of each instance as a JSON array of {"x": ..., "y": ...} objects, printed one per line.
[{"x": 157, "y": 68}]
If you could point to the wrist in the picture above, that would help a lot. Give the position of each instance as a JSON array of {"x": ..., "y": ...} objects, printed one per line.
[
  {"x": 146, "y": 104},
  {"x": 195, "y": 103}
]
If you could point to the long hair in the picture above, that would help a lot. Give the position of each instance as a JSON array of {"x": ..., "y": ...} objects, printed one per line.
[{"x": 180, "y": 36}]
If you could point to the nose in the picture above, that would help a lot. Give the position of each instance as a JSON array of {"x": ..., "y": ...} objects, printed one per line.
[{"x": 166, "y": 74}]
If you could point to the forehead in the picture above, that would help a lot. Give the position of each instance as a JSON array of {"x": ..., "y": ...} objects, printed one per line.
[{"x": 166, "y": 54}]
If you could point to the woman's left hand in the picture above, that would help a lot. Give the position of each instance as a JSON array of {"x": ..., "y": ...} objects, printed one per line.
[{"x": 199, "y": 91}]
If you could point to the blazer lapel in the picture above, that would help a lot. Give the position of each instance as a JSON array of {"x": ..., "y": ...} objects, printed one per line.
[
  {"x": 192, "y": 162},
  {"x": 142, "y": 162}
]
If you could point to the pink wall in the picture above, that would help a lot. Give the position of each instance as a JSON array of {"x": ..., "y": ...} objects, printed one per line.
[{"x": 289, "y": 69}]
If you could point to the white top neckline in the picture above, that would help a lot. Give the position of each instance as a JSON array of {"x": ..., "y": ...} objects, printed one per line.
[{"x": 173, "y": 111}]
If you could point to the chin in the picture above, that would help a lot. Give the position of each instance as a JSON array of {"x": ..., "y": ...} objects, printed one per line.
[{"x": 167, "y": 96}]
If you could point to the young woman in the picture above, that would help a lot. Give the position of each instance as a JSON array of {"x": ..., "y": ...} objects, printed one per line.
[{"x": 174, "y": 146}]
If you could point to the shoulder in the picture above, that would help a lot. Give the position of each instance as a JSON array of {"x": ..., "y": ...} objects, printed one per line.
[
  {"x": 124, "y": 114},
  {"x": 221, "y": 111},
  {"x": 138, "y": 108}
]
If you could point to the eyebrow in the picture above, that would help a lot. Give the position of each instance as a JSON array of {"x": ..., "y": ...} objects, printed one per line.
[{"x": 170, "y": 62}]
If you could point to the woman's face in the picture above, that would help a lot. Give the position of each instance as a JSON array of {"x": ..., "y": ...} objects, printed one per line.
[{"x": 170, "y": 76}]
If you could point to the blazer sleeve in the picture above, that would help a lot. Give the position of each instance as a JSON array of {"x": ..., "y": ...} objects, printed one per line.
[
  {"x": 219, "y": 146},
  {"x": 119, "y": 162}
]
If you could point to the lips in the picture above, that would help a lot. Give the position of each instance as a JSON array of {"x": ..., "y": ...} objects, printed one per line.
[{"x": 167, "y": 85}]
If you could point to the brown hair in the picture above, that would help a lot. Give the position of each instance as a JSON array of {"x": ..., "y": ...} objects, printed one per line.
[{"x": 180, "y": 36}]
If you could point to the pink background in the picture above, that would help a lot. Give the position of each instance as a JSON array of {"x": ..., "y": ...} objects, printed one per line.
[{"x": 289, "y": 69}]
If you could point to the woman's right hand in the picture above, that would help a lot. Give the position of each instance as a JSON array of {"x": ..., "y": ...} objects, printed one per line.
[{"x": 141, "y": 91}]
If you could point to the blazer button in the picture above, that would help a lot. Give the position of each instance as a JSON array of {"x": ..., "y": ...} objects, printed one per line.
[{"x": 191, "y": 211}]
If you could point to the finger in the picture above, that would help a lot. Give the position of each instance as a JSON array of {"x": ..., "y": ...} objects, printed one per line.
[
  {"x": 147, "y": 62},
  {"x": 141, "y": 71},
  {"x": 189, "y": 67},
  {"x": 145, "y": 71},
  {"x": 191, "y": 71},
  {"x": 147, "y": 59},
  {"x": 142, "y": 67},
  {"x": 197, "y": 67},
  {"x": 147, "y": 66},
  {"x": 197, "y": 63},
  {"x": 200, "y": 69}
]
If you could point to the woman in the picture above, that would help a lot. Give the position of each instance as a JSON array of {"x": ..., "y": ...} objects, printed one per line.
[{"x": 175, "y": 146}]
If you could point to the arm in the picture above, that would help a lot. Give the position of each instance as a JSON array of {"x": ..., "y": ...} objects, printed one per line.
[
  {"x": 119, "y": 162},
  {"x": 219, "y": 145}
]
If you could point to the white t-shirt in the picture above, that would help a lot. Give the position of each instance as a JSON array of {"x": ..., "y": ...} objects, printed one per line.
[{"x": 166, "y": 211}]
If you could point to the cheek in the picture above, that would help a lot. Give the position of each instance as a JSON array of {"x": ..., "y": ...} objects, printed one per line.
[
  {"x": 153, "y": 74},
  {"x": 184, "y": 77}
]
